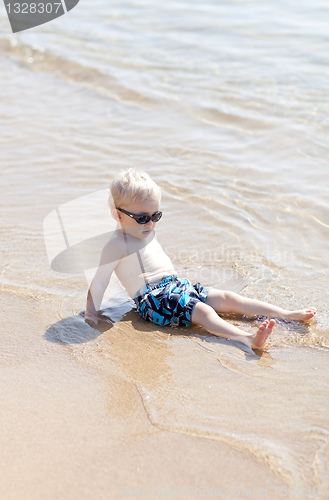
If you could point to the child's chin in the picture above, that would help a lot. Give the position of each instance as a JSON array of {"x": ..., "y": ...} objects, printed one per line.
[{"x": 146, "y": 233}]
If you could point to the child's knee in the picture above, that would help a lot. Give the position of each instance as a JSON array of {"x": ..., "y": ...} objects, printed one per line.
[
  {"x": 202, "y": 312},
  {"x": 231, "y": 297}
]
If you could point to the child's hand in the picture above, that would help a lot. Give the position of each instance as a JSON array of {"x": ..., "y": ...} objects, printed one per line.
[{"x": 91, "y": 318}]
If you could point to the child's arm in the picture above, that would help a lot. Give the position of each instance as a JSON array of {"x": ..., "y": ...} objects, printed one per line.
[
  {"x": 110, "y": 258},
  {"x": 94, "y": 299}
]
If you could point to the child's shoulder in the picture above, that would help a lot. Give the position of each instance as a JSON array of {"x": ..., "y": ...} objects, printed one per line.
[
  {"x": 122, "y": 245},
  {"x": 114, "y": 248}
]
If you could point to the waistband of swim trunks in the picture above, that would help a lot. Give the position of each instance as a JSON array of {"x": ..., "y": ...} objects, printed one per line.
[{"x": 156, "y": 284}]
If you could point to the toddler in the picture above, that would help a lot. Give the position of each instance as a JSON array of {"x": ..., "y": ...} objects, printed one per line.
[{"x": 149, "y": 277}]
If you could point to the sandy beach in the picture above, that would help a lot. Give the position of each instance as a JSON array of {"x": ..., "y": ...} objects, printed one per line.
[
  {"x": 128, "y": 411},
  {"x": 78, "y": 426}
]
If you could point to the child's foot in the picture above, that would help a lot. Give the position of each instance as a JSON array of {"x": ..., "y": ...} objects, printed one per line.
[
  {"x": 302, "y": 314},
  {"x": 262, "y": 334}
]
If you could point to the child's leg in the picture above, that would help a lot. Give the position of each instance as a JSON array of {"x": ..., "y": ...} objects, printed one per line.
[
  {"x": 230, "y": 302},
  {"x": 205, "y": 316}
]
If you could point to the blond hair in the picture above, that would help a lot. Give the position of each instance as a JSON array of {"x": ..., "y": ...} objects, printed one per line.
[{"x": 132, "y": 186}]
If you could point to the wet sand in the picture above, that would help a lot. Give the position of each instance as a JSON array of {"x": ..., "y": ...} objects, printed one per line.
[{"x": 73, "y": 428}]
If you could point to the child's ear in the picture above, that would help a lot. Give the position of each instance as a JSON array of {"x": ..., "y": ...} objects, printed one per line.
[{"x": 116, "y": 215}]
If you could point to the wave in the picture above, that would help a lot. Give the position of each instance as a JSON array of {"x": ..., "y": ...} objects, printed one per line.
[{"x": 37, "y": 58}]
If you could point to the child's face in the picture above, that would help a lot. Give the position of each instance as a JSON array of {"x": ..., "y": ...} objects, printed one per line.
[{"x": 131, "y": 226}]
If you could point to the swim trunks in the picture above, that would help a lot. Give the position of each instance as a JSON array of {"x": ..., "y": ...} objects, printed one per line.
[{"x": 170, "y": 301}]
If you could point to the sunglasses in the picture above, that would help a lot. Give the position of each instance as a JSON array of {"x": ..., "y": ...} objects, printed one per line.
[{"x": 143, "y": 218}]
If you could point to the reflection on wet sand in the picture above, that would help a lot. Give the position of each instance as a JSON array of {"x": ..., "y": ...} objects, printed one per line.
[{"x": 192, "y": 383}]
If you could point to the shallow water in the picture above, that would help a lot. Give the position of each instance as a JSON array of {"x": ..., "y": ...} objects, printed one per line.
[{"x": 226, "y": 106}]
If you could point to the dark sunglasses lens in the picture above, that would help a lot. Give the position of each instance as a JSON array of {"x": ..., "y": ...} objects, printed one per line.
[
  {"x": 143, "y": 219},
  {"x": 156, "y": 217}
]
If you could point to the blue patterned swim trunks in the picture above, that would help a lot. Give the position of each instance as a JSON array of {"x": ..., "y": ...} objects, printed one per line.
[{"x": 170, "y": 301}]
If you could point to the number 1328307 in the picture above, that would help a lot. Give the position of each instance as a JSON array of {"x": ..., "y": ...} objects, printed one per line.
[
  {"x": 33, "y": 8},
  {"x": 301, "y": 492}
]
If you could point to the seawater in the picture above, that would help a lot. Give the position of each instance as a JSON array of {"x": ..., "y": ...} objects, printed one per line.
[{"x": 225, "y": 104}]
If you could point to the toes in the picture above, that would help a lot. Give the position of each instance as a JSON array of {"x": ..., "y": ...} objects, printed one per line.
[
  {"x": 311, "y": 312},
  {"x": 267, "y": 324}
]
